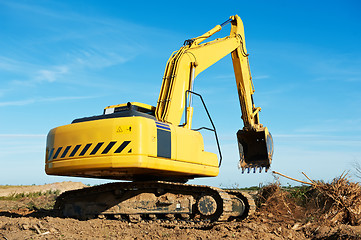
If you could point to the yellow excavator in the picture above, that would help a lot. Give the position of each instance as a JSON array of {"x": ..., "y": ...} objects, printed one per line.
[{"x": 151, "y": 147}]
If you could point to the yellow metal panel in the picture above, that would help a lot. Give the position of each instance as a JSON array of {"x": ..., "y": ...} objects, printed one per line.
[
  {"x": 128, "y": 165},
  {"x": 124, "y": 147},
  {"x": 139, "y": 131},
  {"x": 190, "y": 148}
]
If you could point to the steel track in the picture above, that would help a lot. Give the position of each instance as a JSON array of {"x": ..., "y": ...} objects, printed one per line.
[{"x": 208, "y": 205}]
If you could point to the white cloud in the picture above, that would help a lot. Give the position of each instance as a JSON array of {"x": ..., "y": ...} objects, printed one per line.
[
  {"x": 257, "y": 77},
  {"x": 318, "y": 139},
  {"x": 52, "y": 74},
  {"x": 16, "y": 135},
  {"x": 224, "y": 76},
  {"x": 27, "y": 73},
  {"x": 8, "y": 64},
  {"x": 324, "y": 64},
  {"x": 32, "y": 8},
  {"x": 17, "y": 103},
  {"x": 97, "y": 59},
  {"x": 35, "y": 100},
  {"x": 345, "y": 126}
]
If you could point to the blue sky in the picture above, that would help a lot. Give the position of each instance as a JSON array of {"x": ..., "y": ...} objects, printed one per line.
[{"x": 62, "y": 60}]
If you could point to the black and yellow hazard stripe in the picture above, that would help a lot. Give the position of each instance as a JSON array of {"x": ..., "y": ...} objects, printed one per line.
[{"x": 84, "y": 149}]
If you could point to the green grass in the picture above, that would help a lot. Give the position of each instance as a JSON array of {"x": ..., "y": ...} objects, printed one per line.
[
  {"x": 18, "y": 196},
  {"x": 10, "y": 186},
  {"x": 235, "y": 186},
  {"x": 6, "y": 186},
  {"x": 299, "y": 193},
  {"x": 252, "y": 188}
]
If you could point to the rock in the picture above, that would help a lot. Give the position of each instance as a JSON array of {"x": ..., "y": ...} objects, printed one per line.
[
  {"x": 26, "y": 226},
  {"x": 297, "y": 226}
]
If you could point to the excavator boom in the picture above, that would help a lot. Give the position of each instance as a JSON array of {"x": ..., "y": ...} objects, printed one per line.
[{"x": 255, "y": 142}]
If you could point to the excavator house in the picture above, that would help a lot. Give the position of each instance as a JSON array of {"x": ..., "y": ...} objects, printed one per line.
[{"x": 156, "y": 152}]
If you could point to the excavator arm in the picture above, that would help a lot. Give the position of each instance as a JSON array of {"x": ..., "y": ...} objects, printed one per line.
[{"x": 255, "y": 142}]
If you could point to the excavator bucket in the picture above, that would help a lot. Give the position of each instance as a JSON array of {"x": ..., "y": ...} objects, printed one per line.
[{"x": 255, "y": 149}]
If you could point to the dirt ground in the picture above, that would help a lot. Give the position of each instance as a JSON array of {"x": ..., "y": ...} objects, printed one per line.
[{"x": 276, "y": 218}]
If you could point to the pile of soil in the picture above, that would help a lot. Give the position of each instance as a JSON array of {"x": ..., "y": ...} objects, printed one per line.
[
  {"x": 59, "y": 186},
  {"x": 281, "y": 214}
]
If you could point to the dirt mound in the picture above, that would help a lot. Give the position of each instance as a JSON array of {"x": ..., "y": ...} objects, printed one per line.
[{"x": 59, "y": 186}]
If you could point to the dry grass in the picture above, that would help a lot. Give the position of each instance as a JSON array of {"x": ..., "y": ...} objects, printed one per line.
[
  {"x": 341, "y": 200},
  {"x": 338, "y": 201}
]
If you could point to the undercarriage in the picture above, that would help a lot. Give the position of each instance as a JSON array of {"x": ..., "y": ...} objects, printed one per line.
[{"x": 156, "y": 201}]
